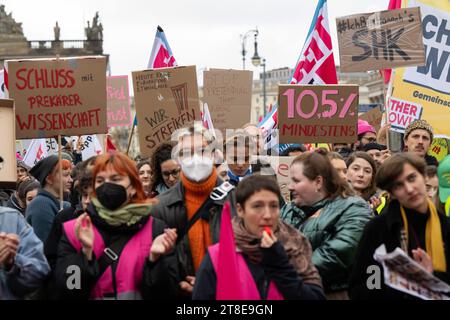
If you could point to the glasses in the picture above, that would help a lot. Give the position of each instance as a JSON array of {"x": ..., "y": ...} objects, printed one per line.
[
  {"x": 174, "y": 173},
  {"x": 370, "y": 139}
]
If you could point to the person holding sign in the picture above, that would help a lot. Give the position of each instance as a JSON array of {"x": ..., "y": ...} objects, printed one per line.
[
  {"x": 329, "y": 216},
  {"x": 42, "y": 211},
  {"x": 122, "y": 252},
  {"x": 410, "y": 222},
  {"x": 194, "y": 205},
  {"x": 418, "y": 138},
  {"x": 274, "y": 259}
]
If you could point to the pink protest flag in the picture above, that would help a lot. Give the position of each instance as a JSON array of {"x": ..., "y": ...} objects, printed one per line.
[
  {"x": 161, "y": 55},
  {"x": 393, "y": 4},
  {"x": 315, "y": 66},
  {"x": 228, "y": 276},
  {"x": 316, "y": 62}
]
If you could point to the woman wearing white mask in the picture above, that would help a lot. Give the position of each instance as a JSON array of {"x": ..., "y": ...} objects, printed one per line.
[{"x": 194, "y": 205}]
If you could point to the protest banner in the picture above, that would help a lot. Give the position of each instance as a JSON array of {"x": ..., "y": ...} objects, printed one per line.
[
  {"x": 58, "y": 96},
  {"x": 36, "y": 151},
  {"x": 374, "y": 117},
  {"x": 380, "y": 40},
  {"x": 166, "y": 100},
  {"x": 228, "y": 94},
  {"x": 318, "y": 114},
  {"x": 404, "y": 274},
  {"x": 429, "y": 85},
  {"x": 401, "y": 113},
  {"x": 8, "y": 165},
  {"x": 118, "y": 101},
  {"x": 90, "y": 146},
  {"x": 281, "y": 166}
]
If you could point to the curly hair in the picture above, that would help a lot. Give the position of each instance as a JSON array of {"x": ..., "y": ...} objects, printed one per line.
[{"x": 162, "y": 154}]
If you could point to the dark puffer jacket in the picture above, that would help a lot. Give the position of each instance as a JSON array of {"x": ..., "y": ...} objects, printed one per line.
[{"x": 334, "y": 236}]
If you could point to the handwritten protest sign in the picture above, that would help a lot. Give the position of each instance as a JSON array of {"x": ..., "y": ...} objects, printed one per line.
[
  {"x": 429, "y": 85},
  {"x": 281, "y": 166},
  {"x": 318, "y": 114},
  {"x": 228, "y": 94},
  {"x": 118, "y": 98},
  {"x": 52, "y": 97},
  {"x": 166, "y": 100},
  {"x": 401, "y": 113},
  {"x": 381, "y": 40},
  {"x": 8, "y": 166},
  {"x": 373, "y": 117}
]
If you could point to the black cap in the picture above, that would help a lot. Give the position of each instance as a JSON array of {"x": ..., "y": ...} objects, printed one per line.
[
  {"x": 374, "y": 145},
  {"x": 22, "y": 164},
  {"x": 43, "y": 168}
]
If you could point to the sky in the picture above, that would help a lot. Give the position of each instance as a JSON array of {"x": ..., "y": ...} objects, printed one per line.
[{"x": 202, "y": 33}]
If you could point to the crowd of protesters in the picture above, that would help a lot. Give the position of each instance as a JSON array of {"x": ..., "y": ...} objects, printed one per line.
[{"x": 157, "y": 229}]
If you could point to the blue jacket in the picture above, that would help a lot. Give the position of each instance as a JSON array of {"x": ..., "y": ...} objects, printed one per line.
[
  {"x": 30, "y": 266},
  {"x": 41, "y": 213}
]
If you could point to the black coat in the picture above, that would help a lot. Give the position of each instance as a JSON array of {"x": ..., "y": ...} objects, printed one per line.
[
  {"x": 159, "y": 279},
  {"x": 385, "y": 229},
  {"x": 171, "y": 208},
  {"x": 275, "y": 267}
]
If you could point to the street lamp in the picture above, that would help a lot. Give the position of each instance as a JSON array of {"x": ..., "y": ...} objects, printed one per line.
[
  {"x": 256, "y": 60},
  {"x": 244, "y": 38}
]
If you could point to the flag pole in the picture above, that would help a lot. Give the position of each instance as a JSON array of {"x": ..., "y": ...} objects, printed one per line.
[
  {"x": 131, "y": 138},
  {"x": 61, "y": 191}
]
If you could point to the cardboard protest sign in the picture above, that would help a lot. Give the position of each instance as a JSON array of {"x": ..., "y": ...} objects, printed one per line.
[
  {"x": 373, "y": 117},
  {"x": 381, "y": 40},
  {"x": 8, "y": 165},
  {"x": 166, "y": 100},
  {"x": 228, "y": 94},
  {"x": 318, "y": 114},
  {"x": 401, "y": 113},
  {"x": 429, "y": 85},
  {"x": 52, "y": 97},
  {"x": 281, "y": 166},
  {"x": 118, "y": 99}
]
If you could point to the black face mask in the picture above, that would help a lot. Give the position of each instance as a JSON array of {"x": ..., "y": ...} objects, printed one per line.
[{"x": 112, "y": 196}]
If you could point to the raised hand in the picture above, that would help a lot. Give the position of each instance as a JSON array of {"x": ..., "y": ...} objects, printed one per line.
[
  {"x": 163, "y": 244},
  {"x": 188, "y": 285},
  {"x": 85, "y": 233},
  {"x": 268, "y": 239},
  {"x": 423, "y": 259}
]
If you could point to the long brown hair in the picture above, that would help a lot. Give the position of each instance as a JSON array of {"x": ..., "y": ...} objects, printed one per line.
[
  {"x": 372, "y": 187},
  {"x": 314, "y": 165}
]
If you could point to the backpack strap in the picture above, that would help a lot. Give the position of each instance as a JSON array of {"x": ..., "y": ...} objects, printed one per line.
[{"x": 218, "y": 193}]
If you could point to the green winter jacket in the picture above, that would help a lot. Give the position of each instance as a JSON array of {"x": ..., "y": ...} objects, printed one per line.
[{"x": 334, "y": 236}]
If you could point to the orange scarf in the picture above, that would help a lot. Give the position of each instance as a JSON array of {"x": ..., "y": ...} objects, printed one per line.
[{"x": 199, "y": 234}]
